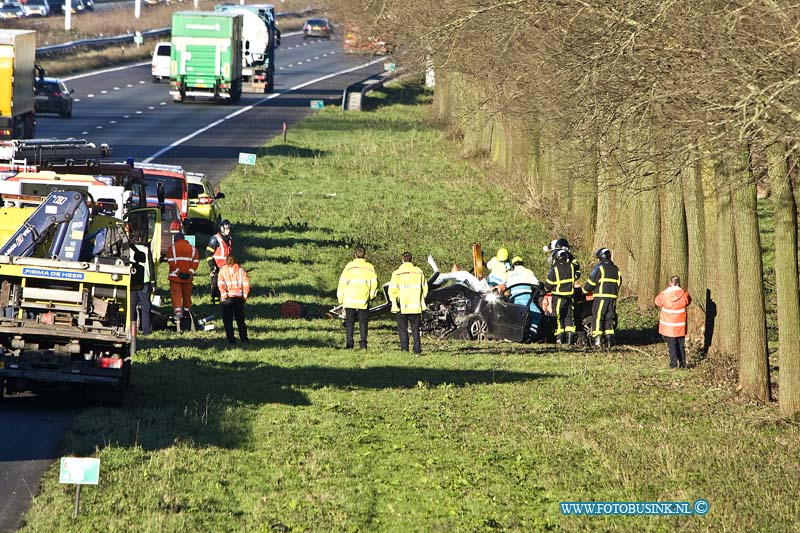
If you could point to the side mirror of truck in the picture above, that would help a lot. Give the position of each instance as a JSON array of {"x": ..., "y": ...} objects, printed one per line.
[{"x": 160, "y": 193}]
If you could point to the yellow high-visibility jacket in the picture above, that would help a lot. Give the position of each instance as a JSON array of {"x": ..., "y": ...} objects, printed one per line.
[
  {"x": 407, "y": 290},
  {"x": 358, "y": 284}
]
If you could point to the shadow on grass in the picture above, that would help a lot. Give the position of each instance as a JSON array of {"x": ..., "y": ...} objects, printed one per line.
[
  {"x": 288, "y": 150},
  {"x": 199, "y": 402},
  {"x": 405, "y": 94}
]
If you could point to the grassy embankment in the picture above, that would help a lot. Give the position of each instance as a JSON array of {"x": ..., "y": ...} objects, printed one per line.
[
  {"x": 292, "y": 433},
  {"x": 120, "y": 21}
]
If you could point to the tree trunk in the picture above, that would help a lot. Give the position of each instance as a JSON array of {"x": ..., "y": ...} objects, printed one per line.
[
  {"x": 695, "y": 281},
  {"x": 786, "y": 281},
  {"x": 753, "y": 357},
  {"x": 707, "y": 301},
  {"x": 648, "y": 261},
  {"x": 675, "y": 246},
  {"x": 727, "y": 325}
]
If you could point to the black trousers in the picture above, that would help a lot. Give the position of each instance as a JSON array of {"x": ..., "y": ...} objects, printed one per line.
[
  {"x": 233, "y": 308},
  {"x": 563, "y": 308},
  {"x": 403, "y": 323},
  {"x": 350, "y": 316},
  {"x": 214, "y": 288},
  {"x": 604, "y": 316},
  {"x": 677, "y": 351},
  {"x": 142, "y": 298}
]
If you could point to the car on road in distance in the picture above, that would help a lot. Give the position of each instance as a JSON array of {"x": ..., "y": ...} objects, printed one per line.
[
  {"x": 317, "y": 27},
  {"x": 56, "y": 7},
  {"x": 170, "y": 225},
  {"x": 204, "y": 210},
  {"x": 36, "y": 8},
  {"x": 12, "y": 10},
  {"x": 159, "y": 66},
  {"x": 52, "y": 96}
]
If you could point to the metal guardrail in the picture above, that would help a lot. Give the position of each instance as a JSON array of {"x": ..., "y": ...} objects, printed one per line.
[
  {"x": 128, "y": 37},
  {"x": 353, "y": 95}
]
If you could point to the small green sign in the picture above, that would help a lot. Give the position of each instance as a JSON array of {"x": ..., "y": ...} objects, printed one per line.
[
  {"x": 388, "y": 66},
  {"x": 137, "y": 38},
  {"x": 79, "y": 471},
  {"x": 247, "y": 159},
  {"x": 190, "y": 239},
  {"x": 317, "y": 104}
]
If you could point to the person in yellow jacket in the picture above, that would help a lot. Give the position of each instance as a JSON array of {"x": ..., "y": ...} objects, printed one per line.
[
  {"x": 407, "y": 291},
  {"x": 234, "y": 288},
  {"x": 358, "y": 284}
]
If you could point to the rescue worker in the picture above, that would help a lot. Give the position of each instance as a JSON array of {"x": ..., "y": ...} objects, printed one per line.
[
  {"x": 604, "y": 282},
  {"x": 182, "y": 259},
  {"x": 220, "y": 246},
  {"x": 520, "y": 282},
  {"x": 234, "y": 288},
  {"x": 560, "y": 283},
  {"x": 407, "y": 291},
  {"x": 561, "y": 244},
  {"x": 673, "y": 302},
  {"x": 358, "y": 284},
  {"x": 498, "y": 268},
  {"x": 140, "y": 253}
]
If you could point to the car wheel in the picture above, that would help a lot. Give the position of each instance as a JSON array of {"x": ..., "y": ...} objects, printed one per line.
[{"x": 477, "y": 328}]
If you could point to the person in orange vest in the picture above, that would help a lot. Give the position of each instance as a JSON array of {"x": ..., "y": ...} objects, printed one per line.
[
  {"x": 218, "y": 249},
  {"x": 673, "y": 302},
  {"x": 182, "y": 259},
  {"x": 234, "y": 287}
]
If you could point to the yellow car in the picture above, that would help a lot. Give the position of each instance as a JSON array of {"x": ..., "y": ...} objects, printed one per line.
[{"x": 204, "y": 211}]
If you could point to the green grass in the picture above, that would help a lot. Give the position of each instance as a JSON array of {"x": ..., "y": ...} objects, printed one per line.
[{"x": 292, "y": 434}]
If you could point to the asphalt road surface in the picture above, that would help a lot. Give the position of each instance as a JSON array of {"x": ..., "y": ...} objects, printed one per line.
[{"x": 124, "y": 109}]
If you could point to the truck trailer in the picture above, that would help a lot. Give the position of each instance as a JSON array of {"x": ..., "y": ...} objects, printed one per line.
[
  {"x": 17, "y": 56},
  {"x": 260, "y": 37},
  {"x": 206, "y": 59}
]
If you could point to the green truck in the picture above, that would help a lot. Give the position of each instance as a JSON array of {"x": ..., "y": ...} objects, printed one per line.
[
  {"x": 17, "y": 54},
  {"x": 206, "y": 57}
]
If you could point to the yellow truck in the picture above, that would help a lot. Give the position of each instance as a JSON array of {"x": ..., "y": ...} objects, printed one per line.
[{"x": 17, "y": 72}]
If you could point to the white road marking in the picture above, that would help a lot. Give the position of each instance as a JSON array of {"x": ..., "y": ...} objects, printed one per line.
[
  {"x": 332, "y": 53},
  {"x": 90, "y": 95},
  {"x": 84, "y": 133},
  {"x": 317, "y": 57},
  {"x": 126, "y": 116},
  {"x": 99, "y": 127},
  {"x": 324, "y": 55},
  {"x": 162, "y": 103},
  {"x": 280, "y": 68},
  {"x": 150, "y": 107},
  {"x": 138, "y": 112},
  {"x": 207, "y": 127},
  {"x": 112, "y": 121},
  {"x": 290, "y": 65},
  {"x": 76, "y": 99},
  {"x": 129, "y": 85},
  {"x": 116, "y": 88},
  {"x": 103, "y": 92},
  {"x": 308, "y": 61},
  {"x": 142, "y": 82}
]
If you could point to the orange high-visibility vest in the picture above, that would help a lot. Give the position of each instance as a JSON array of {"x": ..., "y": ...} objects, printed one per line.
[
  {"x": 673, "y": 302},
  {"x": 222, "y": 251},
  {"x": 182, "y": 259},
  {"x": 233, "y": 282}
]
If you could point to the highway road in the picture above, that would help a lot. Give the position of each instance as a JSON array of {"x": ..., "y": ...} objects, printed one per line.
[{"x": 138, "y": 119}]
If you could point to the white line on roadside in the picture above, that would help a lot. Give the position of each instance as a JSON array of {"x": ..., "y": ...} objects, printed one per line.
[
  {"x": 126, "y": 116},
  {"x": 112, "y": 121},
  {"x": 142, "y": 82},
  {"x": 138, "y": 112},
  {"x": 129, "y": 85},
  {"x": 162, "y": 103},
  {"x": 90, "y": 95},
  {"x": 105, "y": 71},
  {"x": 84, "y": 133},
  {"x": 116, "y": 88},
  {"x": 251, "y": 106},
  {"x": 103, "y": 92},
  {"x": 76, "y": 99},
  {"x": 99, "y": 127}
]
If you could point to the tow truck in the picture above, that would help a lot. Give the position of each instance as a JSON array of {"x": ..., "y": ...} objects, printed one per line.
[{"x": 66, "y": 276}]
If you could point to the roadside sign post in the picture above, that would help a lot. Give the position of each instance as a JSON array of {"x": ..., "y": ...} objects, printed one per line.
[
  {"x": 389, "y": 67},
  {"x": 137, "y": 38},
  {"x": 79, "y": 471},
  {"x": 317, "y": 104},
  {"x": 247, "y": 160},
  {"x": 284, "y": 133}
]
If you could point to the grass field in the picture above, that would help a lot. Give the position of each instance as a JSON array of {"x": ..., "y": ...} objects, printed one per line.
[{"x": 291, "y": 433}]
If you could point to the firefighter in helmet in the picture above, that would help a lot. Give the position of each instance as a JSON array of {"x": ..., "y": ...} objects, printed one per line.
[
  {"x": 604, "y": 282},
  {"x": 560, "y": 282}
]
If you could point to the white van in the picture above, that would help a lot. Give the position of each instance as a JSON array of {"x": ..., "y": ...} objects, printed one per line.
[{"x": 159, "y": 67}]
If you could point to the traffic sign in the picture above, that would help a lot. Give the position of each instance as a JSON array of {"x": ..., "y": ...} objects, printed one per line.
[
  {"x": 388, "y": 66},
  {"x": 247, "y": 159},
  {"x": 137, "y": 38},
  {"x": 79, "y": 471},
  {"x": 317, "y": 104}
]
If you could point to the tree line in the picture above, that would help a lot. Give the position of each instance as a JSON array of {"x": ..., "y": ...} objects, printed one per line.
[{"x": 650, "y": 127}]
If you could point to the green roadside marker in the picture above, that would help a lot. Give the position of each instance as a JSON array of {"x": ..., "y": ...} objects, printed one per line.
[
  {"x": 317, "y": 104},
  {"x": 79, "y": 471}
]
